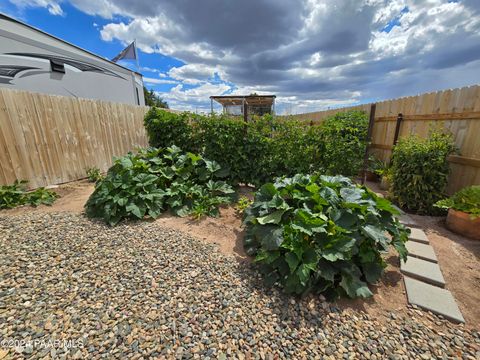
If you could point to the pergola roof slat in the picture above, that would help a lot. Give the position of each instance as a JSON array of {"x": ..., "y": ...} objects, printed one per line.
[{"x": 233, "y": 100}]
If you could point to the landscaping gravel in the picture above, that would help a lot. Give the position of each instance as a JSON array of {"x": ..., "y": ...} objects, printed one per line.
[{"x": 75, "y": 288}]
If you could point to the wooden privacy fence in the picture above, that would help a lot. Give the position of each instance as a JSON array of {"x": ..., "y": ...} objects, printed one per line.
[
  {"x": 53, "y": 139},
  {"x": 456, "y": 110}
]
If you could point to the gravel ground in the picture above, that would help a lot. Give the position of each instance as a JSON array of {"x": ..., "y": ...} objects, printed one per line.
[{"x": 73, "y": 288}]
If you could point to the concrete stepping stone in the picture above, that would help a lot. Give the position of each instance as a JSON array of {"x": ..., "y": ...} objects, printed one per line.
[
  {"x": 432, "y": 298},
  {"x": 418, "y": 236},
  {"x": 423, "y": 270},
  {"x": 421, "y": 251},
  {"x": 407, "y": 221}
]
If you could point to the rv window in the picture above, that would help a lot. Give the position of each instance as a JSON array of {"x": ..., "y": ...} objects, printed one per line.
[{"x": 57, "y": 66}]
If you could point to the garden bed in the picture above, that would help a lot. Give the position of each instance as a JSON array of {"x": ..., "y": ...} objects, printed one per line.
[
  {"x": 145, "y": 289},
  {"x": 226, "y": 233}
]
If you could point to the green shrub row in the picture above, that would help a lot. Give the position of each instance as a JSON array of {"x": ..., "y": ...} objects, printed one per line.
[
  {"x": 16, "y": 195},
  {"x": 321, "y": 233},
  {"x": 155, "y": 180},
  {"x": 419, "y": 171},
  {"x": 261, "y": 150}
]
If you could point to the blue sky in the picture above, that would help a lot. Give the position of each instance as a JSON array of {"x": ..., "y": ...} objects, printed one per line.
[{"x": 313, "y": 54}]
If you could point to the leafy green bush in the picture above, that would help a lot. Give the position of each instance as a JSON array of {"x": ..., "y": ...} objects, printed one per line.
[
  {"x": 420, "y": 171},
  {"x": 294, "y": 148},
  {"x": 466, "y": 200},
  {"x": 154, "y": 180},
  {"x": 322, "y": 234},
  {"x": 345, "y": 139},
  {"x": 16, "y": 195},
  {"x": 377, "y": 166},
  {"x": 165, "y": 129},
  {"x": 260, "y": 150},
  {"x": 94, "y": 174}
]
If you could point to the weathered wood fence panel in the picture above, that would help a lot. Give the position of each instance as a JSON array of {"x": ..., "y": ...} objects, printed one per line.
[
  {"x": 457, "y": 110},
  {"x": 53, "y": 139}
]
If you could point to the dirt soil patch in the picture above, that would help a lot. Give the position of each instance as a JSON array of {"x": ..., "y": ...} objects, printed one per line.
[{"x": 458, "y": 256}]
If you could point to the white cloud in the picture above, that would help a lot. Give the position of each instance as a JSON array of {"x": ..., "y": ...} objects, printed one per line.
[
  {"x": 104, "y": 8},
  {"x": 152, "y": 34},
  {"x": 53, "y": 6},
  {"x": 195, "y": 73},
  {"x": 194, "y": 99},
  {"x": 152, "y": 70},
  {"x": 149, "y": 80}
]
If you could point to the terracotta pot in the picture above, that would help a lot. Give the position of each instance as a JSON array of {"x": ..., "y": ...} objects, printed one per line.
[
  {"x": 461, "y": 223},
  {"x": 384, "y": 184}
]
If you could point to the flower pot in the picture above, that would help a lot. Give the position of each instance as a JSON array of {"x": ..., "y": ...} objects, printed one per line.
[
  {"x": 461, "y": 223},
  {"x": 384, "y": 184}
]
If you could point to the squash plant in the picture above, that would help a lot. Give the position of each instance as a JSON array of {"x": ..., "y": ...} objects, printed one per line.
[
  {"x": 321, "y": 233},
  {"x": 155, "y": 180},
  {"x": 16, "y": 195}
]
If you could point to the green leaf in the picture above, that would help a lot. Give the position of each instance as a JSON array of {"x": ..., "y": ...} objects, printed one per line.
[
  {"x": 377, "y": 234},
  {"x": 273, "y": 218},
  {"x": 292, "y": 261},
  {"x": 135, "y": 210},
  {"x": 351, "y": 194},
  {"x": 354, "y": 287},
  {"x": 126, "y": 162},
  {"x": 329, "y": 194},
  {"x": 212, "y": 166},
  {"x": 401, "y": 248},
  {"x": 270, "y": 236},
  {"x": 326, "y": 270},
  {"x": 338, "y": 249},
  {"x": 373, "y": 271},
  {"x": 303, "y": 273},
  {"x": 307, "y": 223}
]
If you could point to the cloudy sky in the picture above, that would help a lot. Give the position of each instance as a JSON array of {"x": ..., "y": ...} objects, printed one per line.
[{"x": 313, "y": 54}]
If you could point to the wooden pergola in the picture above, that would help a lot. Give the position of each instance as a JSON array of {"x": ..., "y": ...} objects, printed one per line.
[{"x": 249, "y": 104}]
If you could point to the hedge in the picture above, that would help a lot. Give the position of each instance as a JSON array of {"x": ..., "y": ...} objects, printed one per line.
[
  {"x": 261, "y": 150},
  {"x": 420, "y": 171}
]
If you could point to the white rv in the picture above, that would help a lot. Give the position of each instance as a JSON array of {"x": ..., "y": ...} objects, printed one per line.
[{"x": 33, "y": 60}]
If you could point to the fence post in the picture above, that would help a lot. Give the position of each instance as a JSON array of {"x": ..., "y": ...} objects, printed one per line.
[
  {"x": 369, "y": 137},
  {"x": 397, "y": 128},
  {"x": 245, "y": 111}
]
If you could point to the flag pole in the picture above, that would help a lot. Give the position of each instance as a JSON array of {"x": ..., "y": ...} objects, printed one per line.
[{"x": 136, "y": 54}]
